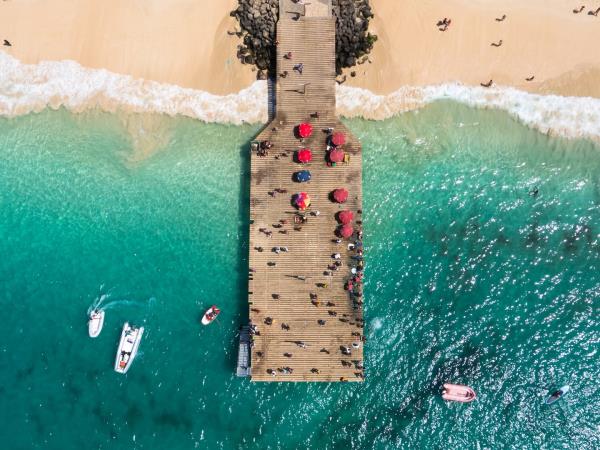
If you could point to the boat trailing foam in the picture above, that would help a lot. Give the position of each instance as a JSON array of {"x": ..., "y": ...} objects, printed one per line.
[{"x": 26, "y": 88}]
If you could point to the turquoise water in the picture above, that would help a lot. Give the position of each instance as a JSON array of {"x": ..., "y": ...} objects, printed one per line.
[{"x": 471, "y": 279}]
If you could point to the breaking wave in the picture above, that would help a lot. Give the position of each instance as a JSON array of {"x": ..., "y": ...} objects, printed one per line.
[{"x": 26, "y": 88}]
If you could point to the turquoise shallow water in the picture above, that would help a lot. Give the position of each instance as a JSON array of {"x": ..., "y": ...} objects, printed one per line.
[{"x": 470, "y": 279}]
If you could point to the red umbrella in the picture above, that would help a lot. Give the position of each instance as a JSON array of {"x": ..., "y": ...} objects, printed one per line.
[
  {"x": 336, "y": 156},
  {"x": 302, "y": 201},
  {"x": 340, "y": 195},
  {"x": 345, "y": 217},
  {"x": 346, "y": 231},
  {"x": 338, "y": 139},
  {"x": 305, "y": 130},
  {"x": 304, "y": 155}
]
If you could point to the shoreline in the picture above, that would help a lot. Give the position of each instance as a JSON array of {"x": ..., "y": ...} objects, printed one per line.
[
  {"x": 186, "y": 43},
  {"x": 29, "y": 88}
]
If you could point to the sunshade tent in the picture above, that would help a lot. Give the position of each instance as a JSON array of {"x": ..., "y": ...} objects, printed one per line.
[
  {"x": 302, "y": 176},
  {"x": 338, "y": 139},
  {"x": 302, "y": 201},
  {"x": 340, "y": 195},
  {"x": 304, "y": 155},
  {"x": 345, "y": 216},
  {"x": 305, "y": 130},
  {"x": 346, "y": 231},
  {"x": 336, "y": 156}
]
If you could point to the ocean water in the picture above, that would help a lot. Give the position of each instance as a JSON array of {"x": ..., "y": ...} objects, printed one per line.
[{"x": 471, "y": 278}]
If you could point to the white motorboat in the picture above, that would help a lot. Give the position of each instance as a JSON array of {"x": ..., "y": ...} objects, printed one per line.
[
  {"x": 128, "y": 347},
  {"x": 96, "y": 322},
  {"x": 210, "y": 315}
]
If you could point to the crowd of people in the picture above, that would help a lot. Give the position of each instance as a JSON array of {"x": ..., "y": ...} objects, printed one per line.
[{"x": 349, "y": 257}]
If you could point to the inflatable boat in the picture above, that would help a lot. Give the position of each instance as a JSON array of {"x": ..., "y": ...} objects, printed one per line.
[{"x": 458, "y": 393}]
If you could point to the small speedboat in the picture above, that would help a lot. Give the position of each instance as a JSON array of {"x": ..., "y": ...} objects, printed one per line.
[
  {"x": 557, "y": 394},
  {"x": 128, "y": 347},
  {"x": 210, "y": 315},
  {"x": 95, "y": 322},
  {"x": 458, "y": 393}
]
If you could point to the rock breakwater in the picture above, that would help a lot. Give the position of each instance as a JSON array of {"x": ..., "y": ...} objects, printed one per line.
[{"x": 258, "y": 22}]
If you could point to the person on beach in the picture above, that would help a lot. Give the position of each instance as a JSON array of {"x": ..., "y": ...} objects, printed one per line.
[
  {"x": 443, "y": 24},
  {"x": 288, "y": 55},
  {"x": 299, "y": 68},
  {"x": 7, "y": 43}
]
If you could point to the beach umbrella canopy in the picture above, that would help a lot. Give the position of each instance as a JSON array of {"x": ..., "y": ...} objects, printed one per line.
[
  {"x": 345, "y": 217},
  {"x": 305, "y": 130},
  {"x": 336, "y": 156},
  {"x": 340, "y": 195},
  {"x": 302, "y": 176},
  {"x": 304, "y": 155},
  {"x": 346, "y": 231},
  {"x": 338, "y": 139},
  {"x": 302, "y": 201}
]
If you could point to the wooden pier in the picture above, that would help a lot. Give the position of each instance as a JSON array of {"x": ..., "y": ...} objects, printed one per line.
[{"x": 289, "y": 292}]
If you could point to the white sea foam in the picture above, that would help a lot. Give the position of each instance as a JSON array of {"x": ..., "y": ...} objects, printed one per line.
[
  {"x": 552, "y": 114},
  {"x": 26, "y": 88}
]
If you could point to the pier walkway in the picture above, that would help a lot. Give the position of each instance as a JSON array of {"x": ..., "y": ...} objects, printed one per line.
[{"x": 289, "y": 292}]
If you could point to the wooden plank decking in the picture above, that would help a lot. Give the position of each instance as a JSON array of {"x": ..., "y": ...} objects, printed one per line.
[{"x": 295, "y": 275}]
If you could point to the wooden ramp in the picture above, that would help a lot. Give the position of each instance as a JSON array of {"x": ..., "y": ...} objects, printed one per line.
[{"x": 289, "y": 292}]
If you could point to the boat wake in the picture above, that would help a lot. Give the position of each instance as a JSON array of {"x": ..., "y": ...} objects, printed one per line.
[
  {"x": 27, "y": 88},
  {"x": 104, "y": 302}
]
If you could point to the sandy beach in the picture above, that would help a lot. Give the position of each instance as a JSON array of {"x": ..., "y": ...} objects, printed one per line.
[
  {"x": 180, "y": 42},
  {"x": 185, "y": 43}
]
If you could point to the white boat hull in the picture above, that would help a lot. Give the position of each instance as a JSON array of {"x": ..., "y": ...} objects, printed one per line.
[
  {"x": 458, "y": 393},
  {"x": 210, "y": 315},
  {"x": 95, "y": 323},
  {"x": 128, "y": 347}
]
